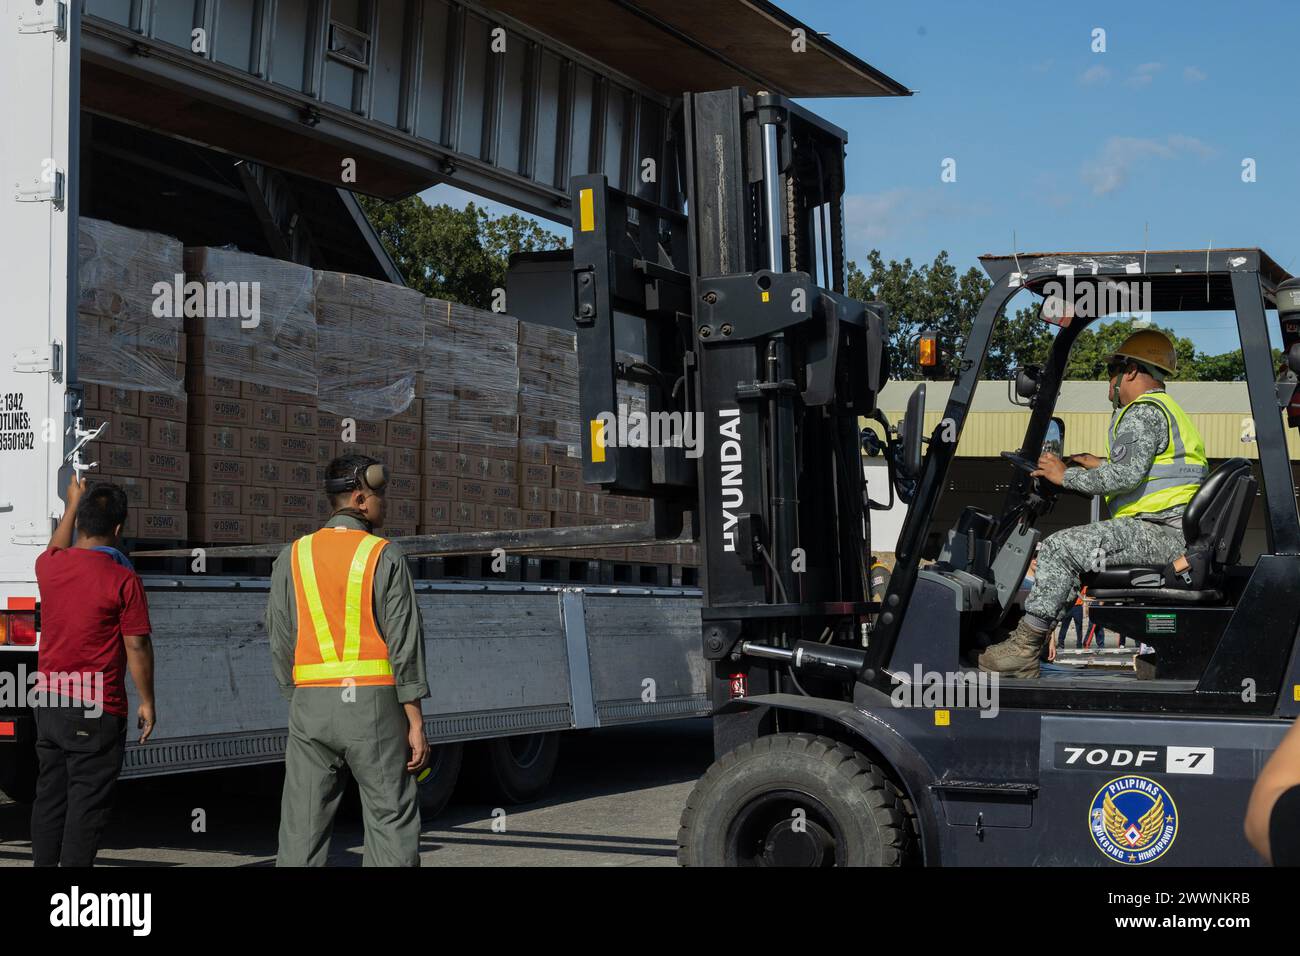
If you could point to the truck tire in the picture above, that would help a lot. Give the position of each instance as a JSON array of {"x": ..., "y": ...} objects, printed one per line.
[
  {"x": 18, "y": 772},
  {"x": 437, "y": 782},
  {"x": 742, "y": 812},
  {"x": 515, "y": 769}
]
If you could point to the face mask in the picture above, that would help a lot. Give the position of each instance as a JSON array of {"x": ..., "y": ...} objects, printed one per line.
[{"x": 1114, "y": 392}]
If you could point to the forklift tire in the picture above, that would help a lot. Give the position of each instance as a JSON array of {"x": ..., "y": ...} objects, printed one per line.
[
  {"x": 794, "y": 800},
  {"x": 514, "y": 769},
  {"x": 18, "y": 772},
  {"x": 437, "y": 782}
]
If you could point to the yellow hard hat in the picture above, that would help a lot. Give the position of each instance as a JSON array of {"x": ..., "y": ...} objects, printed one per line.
[{"x": 1150, "y": 348}]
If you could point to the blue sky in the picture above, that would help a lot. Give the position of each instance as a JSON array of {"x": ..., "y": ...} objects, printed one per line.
[{"x": 1068, "y": 148}]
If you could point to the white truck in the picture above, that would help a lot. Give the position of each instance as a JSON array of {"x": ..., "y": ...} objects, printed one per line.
[{"x": 511, "y": 664}]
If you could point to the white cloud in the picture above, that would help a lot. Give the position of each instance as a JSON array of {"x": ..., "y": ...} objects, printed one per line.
[
  {"x": 1192, "y": 75},
  {"x": 1094, "y": 75},
  {"x": 871, "y": 218},
  {"x": 1119, "y": 155},
  {"x": 1144, "y": 74}
]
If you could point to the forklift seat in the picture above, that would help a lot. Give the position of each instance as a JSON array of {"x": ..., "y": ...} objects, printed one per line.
[{"x": 1214, "y": 524}]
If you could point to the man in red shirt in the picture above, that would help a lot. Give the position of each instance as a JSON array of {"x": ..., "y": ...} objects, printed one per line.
[{"x": 94, "y": 623}]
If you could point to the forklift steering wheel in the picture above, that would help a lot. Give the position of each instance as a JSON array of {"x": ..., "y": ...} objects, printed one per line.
[{"x": 1020, "y": 461}]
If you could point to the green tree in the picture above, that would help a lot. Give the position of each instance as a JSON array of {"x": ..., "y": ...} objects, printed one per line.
[
  {"x": 450, "y": 253},
  {"x": 935, "y": 297}
]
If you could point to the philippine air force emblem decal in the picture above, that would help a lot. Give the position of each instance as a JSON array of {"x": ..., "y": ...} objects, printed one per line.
[{"x": 1133, "y": 820}]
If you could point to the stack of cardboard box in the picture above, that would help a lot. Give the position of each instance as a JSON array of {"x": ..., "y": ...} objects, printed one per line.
[
  {"x": 253, "y": 405},
  {"x": 233, "y": 416},
  {"x": 371, "y": 350},
  {"x": 131, "y": 361}
]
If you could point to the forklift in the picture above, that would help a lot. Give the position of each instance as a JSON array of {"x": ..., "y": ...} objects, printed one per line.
[{"x": 828, "y": 750}]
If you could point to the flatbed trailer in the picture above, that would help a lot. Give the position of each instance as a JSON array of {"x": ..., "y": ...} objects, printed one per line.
[{"x": 567, "y": 645}]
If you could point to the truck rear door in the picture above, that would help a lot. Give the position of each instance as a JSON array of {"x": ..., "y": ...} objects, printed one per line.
[{"x": 39, "y": 53}]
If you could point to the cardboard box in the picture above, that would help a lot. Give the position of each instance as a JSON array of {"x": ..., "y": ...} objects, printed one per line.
[
  {"x": 115, "y": 459},
  {"x": 438, "y": 462},
  {"x": 567, "y": 476},
  {"x": 222, "y": 410},
  {"x": 158, "y": 463},
  {"x": 634, "y": 509},
  {"x": 503, "y": 471},
  {"x": 537, "y": 475},
  {"x": 462, "y": 514},
  {"x": 161, "y": 525},
  {"x": 502, "y": 495},
  {"x": 301, "y": 475},
  {"x": 267, "y": 472},
  {"x": 300, "y": 419},
  {"x": 436, "y": 512},
  {"x": 487, "y": 517},
  {"x": 222, "y": 528},
  {"x": 295, "y": 504},
  {"x": 403, "y": 486},
  {"x": 136, "y": 489},
  {"x": 214, "y": 499},
  {"x": 269, "y": 416},
  {"x": 402, "y": 434},
  {"x": 198, "y": 383},
  {"x": 220, "y": 470},
  {"x": 256, "y": 500},
  {"x": 438, "y": 487},
  {"x": 124, "y": 429},
  {"x": 216, "y": 440},
  {"x": 267, "y": 529},
  {"x": 535, "y": 519},
  {"x": 261, "y": 393},
  {"x": 324, "y": 451},
  {"x": 401, "y": 511},
  {"x": 472, "y": 490},
  {"x": 327, "y": 425},
  {"x": 295, "y": 528},
  {"x": 166, "y": 494},
  {"x": 294, "y": 446},
  {"x": 406, "y": 461},
  {"x": 166, "y": 435},
  {"x": 125, "y": 401},
  {"x": 256, "y": 443},
  {"x": 173, "y": 408},
  {"x": 534, "y": 498},
  {"x": 532, "y": 452}
]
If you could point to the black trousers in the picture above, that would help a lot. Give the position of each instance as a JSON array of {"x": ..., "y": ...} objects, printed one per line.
[{"x": 80, "y": 759}]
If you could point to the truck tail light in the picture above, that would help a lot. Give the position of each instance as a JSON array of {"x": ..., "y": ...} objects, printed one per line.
[{"x": 18, "y": 628}]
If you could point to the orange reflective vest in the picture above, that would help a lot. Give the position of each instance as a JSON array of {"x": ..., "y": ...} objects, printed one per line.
[{"x": 338, "y": 639}]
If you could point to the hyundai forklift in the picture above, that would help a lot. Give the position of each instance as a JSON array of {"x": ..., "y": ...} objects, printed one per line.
[{"x": 827, "y": 750}]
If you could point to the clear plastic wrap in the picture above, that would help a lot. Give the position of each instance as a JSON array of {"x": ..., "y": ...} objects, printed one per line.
[
  {"x": 548, "y": 387},
  {"x": 128, "y": 335},
  {"x": 275, "y": 342},
  {"x": 371, "y": 345},
  {"x": 470, "y": 387}
]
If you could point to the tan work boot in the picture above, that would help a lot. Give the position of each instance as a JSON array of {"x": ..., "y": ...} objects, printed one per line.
[{"x": 1017, "y": 656}]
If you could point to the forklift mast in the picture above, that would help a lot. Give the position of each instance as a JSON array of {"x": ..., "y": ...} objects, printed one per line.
[{"x": 732, "y": 313}]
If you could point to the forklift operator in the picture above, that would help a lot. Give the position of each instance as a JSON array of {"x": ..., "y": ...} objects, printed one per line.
[{"x": 1156, "y": 461}]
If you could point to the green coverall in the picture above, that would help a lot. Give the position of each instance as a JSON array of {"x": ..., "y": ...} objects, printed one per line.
[{"x": 362, "y": 727}]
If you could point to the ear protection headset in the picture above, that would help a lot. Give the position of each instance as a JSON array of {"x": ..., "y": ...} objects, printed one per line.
[{"x": 373, "y": 476}]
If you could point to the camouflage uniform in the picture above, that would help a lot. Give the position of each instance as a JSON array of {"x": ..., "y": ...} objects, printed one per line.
[{"x": 1152, "y": 539}]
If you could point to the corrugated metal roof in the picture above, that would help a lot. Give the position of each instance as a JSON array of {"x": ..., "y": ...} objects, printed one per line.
[
  {"x": 991, "y": 396},
  {"x": 683, "y": 45},
  {"x": 1221, "y": 411}
]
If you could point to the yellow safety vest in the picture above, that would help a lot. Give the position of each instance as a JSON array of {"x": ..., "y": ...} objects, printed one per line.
[{"x": 1176, "y": 473}]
